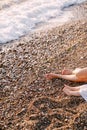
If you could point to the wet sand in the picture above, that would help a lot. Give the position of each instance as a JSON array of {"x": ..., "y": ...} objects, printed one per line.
[{"x": 30, "y": 102}]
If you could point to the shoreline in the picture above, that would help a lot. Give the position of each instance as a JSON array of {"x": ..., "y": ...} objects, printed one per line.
[
  {"x": 79, "y": 12},
  {"x": 40, "y": 33}
]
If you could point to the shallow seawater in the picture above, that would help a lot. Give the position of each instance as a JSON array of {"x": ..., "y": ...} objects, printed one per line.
[{"x": 20, "y": 17}]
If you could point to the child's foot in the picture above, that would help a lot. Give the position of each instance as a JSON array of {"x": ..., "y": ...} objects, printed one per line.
[
  {"x": 71, "y": 92},
  {"x": 71, "y": 88},
  {"x": 66, "y": 91},
  {"x": 66, "y": 72},
  {"x": 50, "y": 76}
]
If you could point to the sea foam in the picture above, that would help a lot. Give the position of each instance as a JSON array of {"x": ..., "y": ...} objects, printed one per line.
[{"x": 19, "y": 17}]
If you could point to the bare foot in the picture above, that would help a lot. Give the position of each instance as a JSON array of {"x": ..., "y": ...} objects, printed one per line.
[
  {"x": 72, "y": 88},
  {"x": 50, "y": 76},
  {"x": 66, "y": 72},
  {"x": 71, "y": 92},
  {"x": 66, "y": 91}
]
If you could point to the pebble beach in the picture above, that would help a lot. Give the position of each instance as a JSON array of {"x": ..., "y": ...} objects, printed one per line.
[{"x": 27, "y": 100}]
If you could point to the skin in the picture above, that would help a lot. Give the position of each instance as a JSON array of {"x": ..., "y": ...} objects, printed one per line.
[
  {"x": 71, "y": 91},
  {"x": 77, "y": 75}
]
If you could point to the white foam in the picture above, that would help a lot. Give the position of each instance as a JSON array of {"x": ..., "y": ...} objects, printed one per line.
[{"x": 19, "y": 19}]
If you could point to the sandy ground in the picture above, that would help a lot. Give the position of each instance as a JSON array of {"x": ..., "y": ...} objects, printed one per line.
[{"x": 27, "y": 100}]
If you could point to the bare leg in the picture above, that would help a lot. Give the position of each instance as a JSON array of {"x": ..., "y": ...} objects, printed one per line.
[
  {"x": 72, "y": 91},
  {"x": 78, "y": 75},
  {"x": 52, "y": 75},
  {"x": 81, "y": 73},
  {"x": 72, "y": 88},
  {"x": 71, "y": 77}
]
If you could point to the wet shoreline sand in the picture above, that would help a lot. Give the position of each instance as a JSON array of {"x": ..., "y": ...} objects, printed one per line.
[{"x": 27, "y": 100}]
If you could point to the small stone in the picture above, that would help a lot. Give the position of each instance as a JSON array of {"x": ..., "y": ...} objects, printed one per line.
[
  {"x": 66, "y": 120},
  {"x": 81, "y": 57},
  {"x": 7, "y": 88}
]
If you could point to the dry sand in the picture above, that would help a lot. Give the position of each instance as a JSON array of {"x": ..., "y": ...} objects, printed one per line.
[{"x": 27, "y": 100}]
